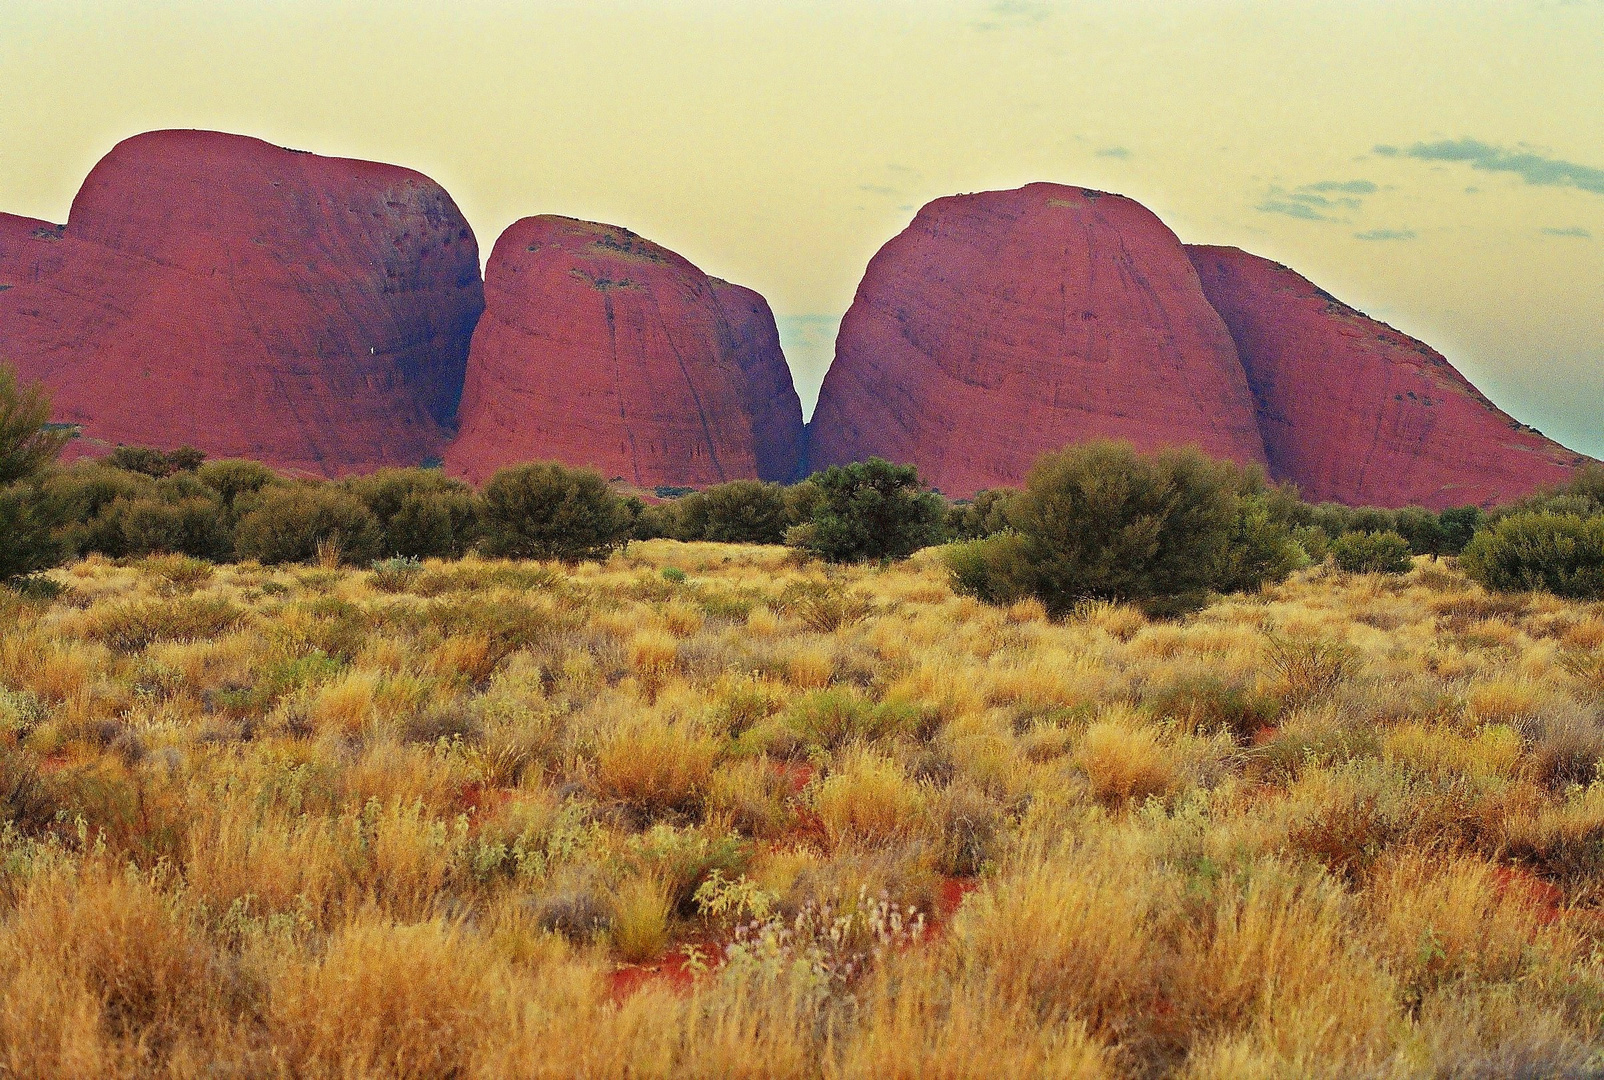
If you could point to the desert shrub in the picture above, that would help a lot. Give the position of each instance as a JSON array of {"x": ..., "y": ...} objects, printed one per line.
[
  {"x": 28, "y": 444},
  {"x": 28, "y": 542},
  {"x": 649, "y": 521},
  {"x": 1558, "y": 553},
  {"x": 739, "y": 512},
  {"x": 1371, "y": 553},
  {"x": 1421, "y": 529},
  {"x": 1582, "y": 495},
  {"x": 824, "y": 606},
  {"x": 1458, "y": 524},
  {"x": 868, "y": 799},
  {"x": 1207, "y": 702},
  {"x": 1335, "y": 519},
  {"x": 984, "y": 515},
  {"x": 1308, "y": 669},
  {"x": 655, "y": 766},
  {"x": 1100, "y": 522},
  {"x": 396, "y": 574},
  {"x": 28, "y": 441},
  {"x": 834, "y": 718},
  {"x": 80, "y": 498},
  {"x": 188, "y": 526},
  {"x": 134, "y": 624},
  {"x": 233, "y": 478},
  {"x": 420, "y": 512},
  {"x": 1260, "y": 547},
  {"x": 1124, "y": 761},
  {"x": 156, "y": 463},
  {"x": 291, "y": 523},
  {"x": 545, "y": 511},
  {"x": 869, "y": 511}
]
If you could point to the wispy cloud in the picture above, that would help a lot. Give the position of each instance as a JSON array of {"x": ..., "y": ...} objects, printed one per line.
[
  {"x": 1012, "y": 13},
  {"x": 1300, "y": 210},
  {"x": 878, "y": 189},
  {"x": 1575, "y": 231},
  {"x": 1351, "y": 187},
  {"x": 1385, "y": 234},
  {"x": 1530, "y": 166},
  {"x": 1344, "y": 202},
  {"x": 1114, "y": 152},
  {"x": 1323, "y": 200}
]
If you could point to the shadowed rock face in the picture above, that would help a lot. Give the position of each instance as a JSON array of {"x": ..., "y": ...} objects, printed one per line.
[
  {"x": 600, "y": 348},
  {"x": 1355, "y": 412},
  {"x": 310, "y": 312},
  {"x": 1007, "y": 323}
]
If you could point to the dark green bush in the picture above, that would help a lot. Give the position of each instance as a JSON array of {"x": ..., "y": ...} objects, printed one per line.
[
  {"x": 1421, "y": 529},
  {"x": 1261, "y": 545},
  {"x": 1371, "y": 553},
  {"x": 869, "y": 511},
  {"x": 191, "y": 525},
  {"x": 1458, "y": 525},
  {"x": 1100, "y": 522},
  {"x": 1558, "y": 553},
  {"x": 984, "y": 515},
  {"x": 544, "y": 511},
  {"x": 739, "y": 512},
  {"x": 28, "y": 543},
  {"x": 28, "y": 444},
  {"x": 305, "y": 522},
  {"x": 420, "y": 512},
  {"x": 156, "y": 463}
]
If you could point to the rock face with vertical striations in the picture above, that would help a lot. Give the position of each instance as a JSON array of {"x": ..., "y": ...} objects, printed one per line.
[
  {"x": 603, "y": 349},
  {"x": 1007, "y": 323},
  {"x": 30, "y": 251},
  {"x": 313, "y": 313},
  {"x": 1353, "y": 411}
]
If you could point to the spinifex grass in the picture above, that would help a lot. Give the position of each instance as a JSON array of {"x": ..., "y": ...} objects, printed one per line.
[{"x": 754, "y": 818}]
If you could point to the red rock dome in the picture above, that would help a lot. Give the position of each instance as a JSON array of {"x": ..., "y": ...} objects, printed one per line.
[
  {"x": 1007, "y": 323},
  {"x": 600, "y": 348},
  {"x": 1355, "y": 412},
  {"x": 313, "y": 313}
]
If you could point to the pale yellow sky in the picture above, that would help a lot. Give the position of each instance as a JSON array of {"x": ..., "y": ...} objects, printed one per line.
[{"x": 779, "y": 144}]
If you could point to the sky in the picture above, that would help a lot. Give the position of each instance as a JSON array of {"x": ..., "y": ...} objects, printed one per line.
[{"x": 1439, "y": 165}]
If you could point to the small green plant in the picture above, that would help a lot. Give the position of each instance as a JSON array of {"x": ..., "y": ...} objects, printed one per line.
[
  {"x": 396, "y": 574},
  {"x": 674, "y": 574}
]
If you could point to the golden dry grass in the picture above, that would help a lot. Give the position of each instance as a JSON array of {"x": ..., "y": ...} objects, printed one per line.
[{"x": 513, "y": 820}]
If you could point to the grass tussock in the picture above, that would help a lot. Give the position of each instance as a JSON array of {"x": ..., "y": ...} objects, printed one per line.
[{"x": 704, "y": 810}]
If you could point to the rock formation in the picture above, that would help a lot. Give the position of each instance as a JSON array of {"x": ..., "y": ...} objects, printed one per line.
[
  {"x": 1355, "y": 412},
  {"x": 310, "y": 312},
  {"x": 1007, "y": 323},
  {"x": 30, "y": 250},
  {"x": 1003, "y": 324},
  {"x": 600, "y": 348}
]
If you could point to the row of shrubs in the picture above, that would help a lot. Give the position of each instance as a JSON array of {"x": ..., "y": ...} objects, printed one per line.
[{"x": 1096, "y": 521}]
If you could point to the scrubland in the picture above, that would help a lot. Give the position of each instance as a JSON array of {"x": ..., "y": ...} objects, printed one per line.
[{"x": 712, "y": 810}]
